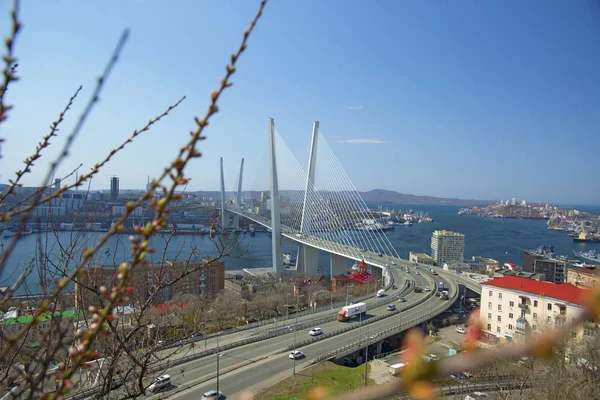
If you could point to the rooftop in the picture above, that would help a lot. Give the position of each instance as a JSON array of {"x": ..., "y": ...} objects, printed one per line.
[
  {"x": 446, "y": 233},
  {"x": 562, "y": 291},
  {"x": 422, "y": 255},
  {"x": 587, "y": 271}
]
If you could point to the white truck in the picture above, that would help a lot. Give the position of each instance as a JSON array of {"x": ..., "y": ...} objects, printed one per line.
[{"x": 351, "y": 311}]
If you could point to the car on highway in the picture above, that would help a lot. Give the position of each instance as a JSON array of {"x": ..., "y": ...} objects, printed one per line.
[
  {"x": 213, "y": 395},
  {"x": 460, "y": 329},
  {"x": 391, "y": 307},
  {"x": 417, "y": 272},
  {"x": 162, "y": 382},
  {"x": 402, "y": 300},
  {"x": 295, "y": 354},
  {"x": 393, "y": 263},
  {"x": 380, "y": 255},
  {"x": 427, "y": 289},
  {"x": 433, "y": 357},
  {"x": 315, "y": 332}
]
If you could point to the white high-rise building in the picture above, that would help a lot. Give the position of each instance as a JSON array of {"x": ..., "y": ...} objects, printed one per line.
[
  {"x": 524, "y": 203},
  {"x": 513, "y": 201},
  {"x": 447, "y": 246}
]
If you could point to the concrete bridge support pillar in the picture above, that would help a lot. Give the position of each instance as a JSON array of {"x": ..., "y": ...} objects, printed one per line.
[
  {"x": 307, "y": 260},
  {"x": 379, "y": 346},
  {"x": 338, "y": 265}
]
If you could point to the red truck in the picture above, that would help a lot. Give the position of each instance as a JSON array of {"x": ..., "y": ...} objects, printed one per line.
[{"x": 417, "y": 289}]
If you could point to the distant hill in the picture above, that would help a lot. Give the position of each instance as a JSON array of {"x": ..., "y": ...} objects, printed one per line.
[
  {"x": 390, "y": 196},
  {"x": 378, "y": 196}
]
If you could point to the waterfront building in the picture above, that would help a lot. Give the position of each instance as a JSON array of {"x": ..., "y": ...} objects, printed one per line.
[
  {"x": 513, "y": 307},
  {"x": 198, "y": 278},
  {"x": 420, "y": 258},
  {"x": 513, "y": 201},
  {"x": 583, "y": 277},
  {"x": 447, "y": 246}
]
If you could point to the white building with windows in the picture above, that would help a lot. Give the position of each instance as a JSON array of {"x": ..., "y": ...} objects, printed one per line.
[
  {"x": 447, "y": 246},
  {"x": 513, "y": 307}
]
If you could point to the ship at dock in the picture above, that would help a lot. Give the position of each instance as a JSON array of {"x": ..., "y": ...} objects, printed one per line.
[{"x": 590, "y": 255}]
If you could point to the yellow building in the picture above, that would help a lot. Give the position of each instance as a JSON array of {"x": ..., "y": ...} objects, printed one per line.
[{"x": 583, "y": 278}]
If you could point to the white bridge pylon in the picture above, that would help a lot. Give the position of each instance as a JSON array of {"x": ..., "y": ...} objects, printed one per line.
[{"x": 319, "y": 209}]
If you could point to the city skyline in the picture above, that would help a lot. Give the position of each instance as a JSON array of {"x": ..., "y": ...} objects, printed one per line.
[{"x": 479, "y": 103}]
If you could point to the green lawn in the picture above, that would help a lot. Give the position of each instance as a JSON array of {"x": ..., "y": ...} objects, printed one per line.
[{"x": 336, "y": 378}]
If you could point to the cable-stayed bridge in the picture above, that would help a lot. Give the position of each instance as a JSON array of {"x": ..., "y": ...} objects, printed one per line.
[{"x": 320, "y": 209}]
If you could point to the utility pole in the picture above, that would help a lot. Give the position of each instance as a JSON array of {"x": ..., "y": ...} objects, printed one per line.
[{"x": 366, "y": 356}]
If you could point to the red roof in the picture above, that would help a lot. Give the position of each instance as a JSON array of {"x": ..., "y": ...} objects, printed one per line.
[
  {"x": 363, "y": 277},
  {"x": 165, "y": 308},
  {"x": 561, "y": 291}
]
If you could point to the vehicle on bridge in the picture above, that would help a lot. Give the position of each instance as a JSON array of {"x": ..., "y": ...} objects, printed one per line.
[
  {"x": 315, "y": 331},
  {"x": 380, "y": 293},
  {"x": 444, "y": 296},
  {"x": 417, "y": 289},
  {"x": 296, "y": 354},
  {"x": 391, "y": 307},
  {"x": 162, "y": 382},
  {"x": 213, "y": 395},
  {"x": 351, "y": 311}
]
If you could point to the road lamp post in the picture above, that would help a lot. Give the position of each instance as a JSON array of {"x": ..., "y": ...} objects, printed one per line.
[
  {"x": 218, "y": 356},
  {"x": 295, "y": 329}
]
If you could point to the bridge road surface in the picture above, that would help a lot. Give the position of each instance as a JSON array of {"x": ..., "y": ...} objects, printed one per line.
[
  {"x": 234, "y": 383},
  {"x": 277, "y": 362}
]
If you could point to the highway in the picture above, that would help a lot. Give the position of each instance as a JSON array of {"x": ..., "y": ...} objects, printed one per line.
[
  {"x": 256, "y": 363},
  {"x": 269, "y": 358}
]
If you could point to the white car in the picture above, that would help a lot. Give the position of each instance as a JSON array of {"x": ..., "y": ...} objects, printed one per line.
[
  {"x": 433, "y": 357},
  {"x": 295, "y": 354},
  {"x": 162, "y": 382},
  {"x": 213, "y": 395},
  {"x": 427, "y": 289},
  {"x": 315, "y": 331},
  {"x": 393, "y": 263},
  {"x": 460, "y": 330}
]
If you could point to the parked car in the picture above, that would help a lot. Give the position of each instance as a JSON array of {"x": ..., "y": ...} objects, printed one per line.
[
  {"x": 433, "y": 357},
  {"x": 461, "y": 330},
  {"x": 213, "y": 395},
  {"x": 391, "y": 307},
  {"x": 295, "y": 354},
  {"x": 315, "y": 331}
]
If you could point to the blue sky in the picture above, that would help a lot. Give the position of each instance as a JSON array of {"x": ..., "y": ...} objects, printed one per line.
[{"x": 471, "y": 99}]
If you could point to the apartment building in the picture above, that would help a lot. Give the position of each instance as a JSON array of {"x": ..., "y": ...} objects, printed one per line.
[
  {"x": 447, "y": 246},
  {"x": 164, "y": 281},
  {"x": 513, "y": 307},
  {"x": 551, "y": 270},
  {"x": 583, "y": 277}
]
